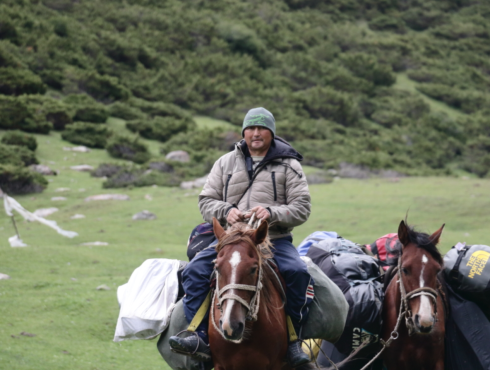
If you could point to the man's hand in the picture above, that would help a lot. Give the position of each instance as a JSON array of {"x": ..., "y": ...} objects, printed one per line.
[
  {"x": 260, "y": 212},
  {"x": 234, "y": 216}
]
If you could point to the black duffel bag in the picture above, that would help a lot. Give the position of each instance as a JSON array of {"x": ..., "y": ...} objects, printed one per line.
[
  {"x": 467, "y": 270},
  {"x": 358, "y": 276}
]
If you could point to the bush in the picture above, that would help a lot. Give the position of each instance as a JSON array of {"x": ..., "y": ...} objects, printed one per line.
[
  {"x": 107, "y": 170},
  {"x": 87, "y": 109},
  {"x": 88, "y": 134},
  {"x": 160, "y": 109},
  {"x": 20, "y": 139},
  {"x": 127, "y": 148},
  {"x": 159, "y": 128},
  {"x": 17, "y": 155},
  {"x": 139, "y": 177},
  {"x": 324, "y": 102},
  {"x": 20, "y": 81},
  {"x": 202, "y": 140},
  {"x": 126, "y": 112},
  {"x": 17, "y": 180},
  {"x": 387, "y": 23},
  {"x": 103, "y": 88},
  {"x": 469, "y": 101},
  {"x": 366, "y": 66},
  {"x": 18, "y": 114},
  {"x": 58, "y": 113}
]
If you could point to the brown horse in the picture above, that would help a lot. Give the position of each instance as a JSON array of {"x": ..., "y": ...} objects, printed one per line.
[
  {"x": 414, "y": 307},
  {"x": 247, "y": 324}
]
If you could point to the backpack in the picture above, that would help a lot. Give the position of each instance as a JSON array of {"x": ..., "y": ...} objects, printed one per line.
[
  {"x": 382, "y": 248},
  {"x": 467, "y": 270},
  {"x": 358, "y": 276},
  {"x": 201, "y": 237}
]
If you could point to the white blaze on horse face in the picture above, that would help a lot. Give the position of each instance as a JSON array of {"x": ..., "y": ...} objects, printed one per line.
[
  {"x": 425, "y": 309},
  {"x": 235, "y": 260}
]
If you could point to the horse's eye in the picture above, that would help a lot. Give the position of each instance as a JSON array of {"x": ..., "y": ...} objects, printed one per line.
[
  {"x": 253, "y": 270},
  {"x": 404, "y": 270}
]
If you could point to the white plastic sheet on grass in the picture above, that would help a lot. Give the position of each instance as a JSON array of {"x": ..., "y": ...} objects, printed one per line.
[
  {"x": 146, "y": 300},
  {"x": 11, "y": 204}
]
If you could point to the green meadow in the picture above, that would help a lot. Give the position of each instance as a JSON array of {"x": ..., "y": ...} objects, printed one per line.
[{"x": 52, "y": 291}]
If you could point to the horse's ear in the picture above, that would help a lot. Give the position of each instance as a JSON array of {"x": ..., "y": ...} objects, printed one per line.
[
  {"x": 437, "y": 235},
  {"x": 403, "y": 233},
  {"x": 217, "y": 228},
  {"x": 261, "y": 233}
]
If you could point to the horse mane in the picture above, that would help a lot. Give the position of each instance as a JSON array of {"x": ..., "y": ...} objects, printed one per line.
[
  {"x": 421, "y": 239},
  {"x": 242, "y": 232}
]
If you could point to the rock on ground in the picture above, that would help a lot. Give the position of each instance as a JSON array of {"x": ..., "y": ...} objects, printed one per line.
[
  {"x": 4, "y": 277},
  {"x": 144, "y": 215},
  {"x": 81, "y": 149},
  {"x": 103, "y": 287},
  {"x": 82, "y": 168},
  {"x": 43, "y": 169},
  {"x": 178, "y": 156},
  {"x": 94, "y": 244},
  {"x": 77, "y": 216},
  {"x": 58, "y": 198},
  {"x": 197, "y": 183},
  {"x": 107, "y": 197},
  {"x": 61, "y": 190},
  {"x": 44, "y": 212},
  {"x": 161, "y": 166}
]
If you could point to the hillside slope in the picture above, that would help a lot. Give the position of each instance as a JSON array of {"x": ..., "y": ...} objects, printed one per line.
[{"x": 330, "y": 71}]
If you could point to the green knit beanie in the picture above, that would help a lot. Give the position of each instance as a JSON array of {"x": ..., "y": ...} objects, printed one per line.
[{"x": 260, "y": 117}]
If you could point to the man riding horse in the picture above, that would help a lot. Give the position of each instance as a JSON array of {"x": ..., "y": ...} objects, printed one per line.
[{"x": 262, "y": 175}]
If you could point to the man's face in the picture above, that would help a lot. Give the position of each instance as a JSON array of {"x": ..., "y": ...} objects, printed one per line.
[{"x": 258, "y": 139}]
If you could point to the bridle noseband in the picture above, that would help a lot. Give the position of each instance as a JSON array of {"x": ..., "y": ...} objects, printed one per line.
[
  {"x": 406, "y": 297},
  {"x": 252, "y": 306}
]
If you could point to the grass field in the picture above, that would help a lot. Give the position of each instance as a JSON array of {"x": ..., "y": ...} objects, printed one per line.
[{"x": 52, "y": 291}]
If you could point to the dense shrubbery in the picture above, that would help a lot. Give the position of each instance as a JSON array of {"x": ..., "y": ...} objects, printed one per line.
[
  {"x": 128, "y": 148},
  {"x": 20, "y": 81},
  {"x": 126, "y": 112},
  {"x": 17, "y": 114},
  {"x": 88, "y": 134},
  {"x": 18, "y": 180},
  {"x": 17, "y": 155},
  {"x": 326, "y": 76},
  {"x": 159, "y": 128},
  {"x": 21, "y": 139},
  {"x": 87, "y": 109}
]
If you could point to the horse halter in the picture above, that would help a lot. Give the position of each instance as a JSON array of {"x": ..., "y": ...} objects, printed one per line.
[
  {"x": 406, "y": 297},
  {"x": 252, "y": 307}
]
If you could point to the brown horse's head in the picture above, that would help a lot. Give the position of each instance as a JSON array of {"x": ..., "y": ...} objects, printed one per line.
[
  {"x": 420, "y": 263},
  {"x": 238, "y": 267}
]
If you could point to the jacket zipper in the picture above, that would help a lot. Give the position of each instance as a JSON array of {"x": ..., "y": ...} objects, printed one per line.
[
  {"x": 273, "y": 175},
  {"x": 226, "y": 187}
]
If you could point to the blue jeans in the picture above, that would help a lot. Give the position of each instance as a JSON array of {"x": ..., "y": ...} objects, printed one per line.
[{"x": 195, "y": 280}]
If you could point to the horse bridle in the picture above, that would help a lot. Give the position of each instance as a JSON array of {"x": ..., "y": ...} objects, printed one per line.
[
  {"x": 406, "y": 297},
  {"x": 405, "y": 311},
  {"x": 252, "y": 306}
]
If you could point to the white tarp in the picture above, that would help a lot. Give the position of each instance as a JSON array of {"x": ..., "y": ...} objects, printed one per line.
[
  {"x": 11, "y": 204},
  {"x": 147, "y": 299}
]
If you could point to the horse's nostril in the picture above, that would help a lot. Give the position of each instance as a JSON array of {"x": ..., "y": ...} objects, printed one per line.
[{"x": 240, "y": 328}]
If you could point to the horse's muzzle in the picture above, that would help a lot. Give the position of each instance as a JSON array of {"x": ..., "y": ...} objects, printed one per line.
[
  {"x": 425, "y": 326},
  {"x": 232, "y": 331}
]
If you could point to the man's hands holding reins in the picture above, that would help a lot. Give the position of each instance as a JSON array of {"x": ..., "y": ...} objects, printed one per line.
[{"x": 236, "y": 215}]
